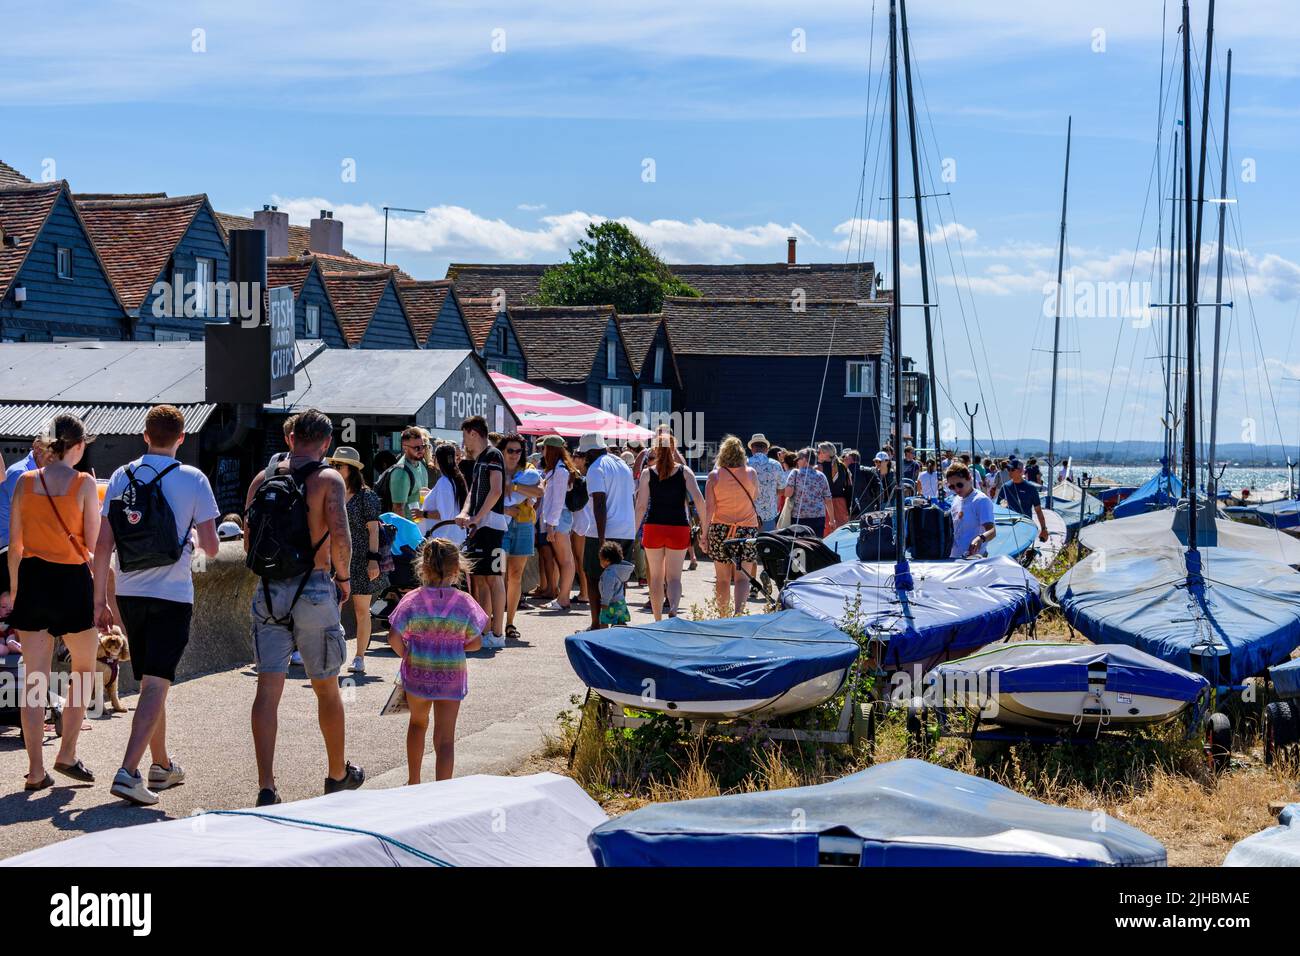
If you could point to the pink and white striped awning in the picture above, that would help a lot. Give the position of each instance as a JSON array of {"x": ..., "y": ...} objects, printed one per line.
[{"x": 543, "y": 412}]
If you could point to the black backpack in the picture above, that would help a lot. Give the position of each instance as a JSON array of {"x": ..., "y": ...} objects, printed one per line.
[
  {"x": 575, "y": 499},
  {"x": 876, "y": 538},
  {"x": 384, "y": 484},
  {"x": 279, "y": 537},
  {"x": 143, "y": 523},
  {"x": 929, "y": 533}
]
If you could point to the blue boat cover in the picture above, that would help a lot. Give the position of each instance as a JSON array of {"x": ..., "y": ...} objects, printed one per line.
[
  {"x": 1247, "y": 610},
  {"x": 1016, "y": 535},
  {"x": 1161, "y": 490},
  {"x": 1286, "y": 678},
  {"x": 1068, "y": 509},
  {"x": 735, "y": 658},
  {"x": 1278, "y": 514},
  {"x": 956, "y": 606},
  {"x": 1039, "y": 666},
  {"x": 901, "y": 813},
  {"x": 1276, "y": 846}
]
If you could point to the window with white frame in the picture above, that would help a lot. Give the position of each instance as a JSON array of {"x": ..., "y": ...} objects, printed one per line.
[
  {"x": 63, "y": 261},
  {"x": 656, "y": 405},
  {"x": 616, "y": 399},
  {"x": 204, "y": 270},
  {"x": 659, "y": 364},
  {"x": 313, "y": 321},
  {"x": 861, "y": 381}
]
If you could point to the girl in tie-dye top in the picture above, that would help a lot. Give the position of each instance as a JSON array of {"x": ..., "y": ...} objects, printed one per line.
[{"x": 431, "y": 629}]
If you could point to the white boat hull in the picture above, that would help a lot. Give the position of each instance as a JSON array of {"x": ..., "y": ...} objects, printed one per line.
[
  {"x": 1084, "y": 709},
  {"x": 810, "y": 693}
]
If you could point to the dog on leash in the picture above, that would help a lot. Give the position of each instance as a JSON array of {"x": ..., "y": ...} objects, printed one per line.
[{"x": 113, "y": 651}]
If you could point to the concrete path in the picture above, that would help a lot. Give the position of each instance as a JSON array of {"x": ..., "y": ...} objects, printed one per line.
[{"x": 514, "y": 698}]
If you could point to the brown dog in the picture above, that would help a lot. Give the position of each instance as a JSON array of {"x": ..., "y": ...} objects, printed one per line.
[{"x": 112, "y": 651}]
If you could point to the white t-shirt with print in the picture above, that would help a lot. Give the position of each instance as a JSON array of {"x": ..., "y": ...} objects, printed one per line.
[{"x": 969, "y": 515}]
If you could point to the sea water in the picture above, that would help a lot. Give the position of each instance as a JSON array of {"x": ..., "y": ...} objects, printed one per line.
[{"x": 1234, "y": 479}]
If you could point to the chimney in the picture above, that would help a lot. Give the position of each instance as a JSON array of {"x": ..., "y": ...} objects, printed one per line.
[
  {"x": 327, "y": 234},
  {"x": 276, "y": 226},
  {"x": 789, "y": 253}
]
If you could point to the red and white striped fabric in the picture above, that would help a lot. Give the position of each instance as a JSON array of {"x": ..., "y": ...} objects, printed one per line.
[{"x": 543, "y": 412}]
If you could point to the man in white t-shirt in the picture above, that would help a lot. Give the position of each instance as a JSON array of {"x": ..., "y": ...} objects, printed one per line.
[
  {"x": 156, "y": 603},
  {"x": 612, "y": 493},
  {"x": 972, "y": 515}
]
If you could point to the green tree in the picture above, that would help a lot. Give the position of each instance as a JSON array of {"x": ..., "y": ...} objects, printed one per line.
[{"x": 611, "y": 267}]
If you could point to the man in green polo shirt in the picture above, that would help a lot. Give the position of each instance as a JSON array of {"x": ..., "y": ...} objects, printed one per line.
[{"x": 410, "y": 474}]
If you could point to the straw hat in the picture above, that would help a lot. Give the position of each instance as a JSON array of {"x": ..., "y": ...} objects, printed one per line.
[
  {"x": 343, "y": 455},
  {"x": 759, "y": 439}
]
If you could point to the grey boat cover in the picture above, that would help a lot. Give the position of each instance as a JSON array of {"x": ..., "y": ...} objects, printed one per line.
[
  {"x": 1276, "y": 846},
  {"x": 1155, "y": 529}
]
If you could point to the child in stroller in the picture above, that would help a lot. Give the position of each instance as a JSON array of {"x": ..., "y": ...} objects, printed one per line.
[{"x": 786, "y": 554}]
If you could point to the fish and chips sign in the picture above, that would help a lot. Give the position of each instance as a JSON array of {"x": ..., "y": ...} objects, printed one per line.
[{"x": 252, "y": 361}]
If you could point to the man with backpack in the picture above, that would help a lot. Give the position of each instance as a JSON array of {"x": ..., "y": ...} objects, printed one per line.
[
  {"x": 158, "y": 512},
  {"x": 297, "y": 530},
  {"x": 484, "y": 512},
  {"x": 399, "y": 486}
]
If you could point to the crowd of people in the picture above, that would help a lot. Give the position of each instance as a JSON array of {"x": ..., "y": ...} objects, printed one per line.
[{"x": 321, "y": 538}]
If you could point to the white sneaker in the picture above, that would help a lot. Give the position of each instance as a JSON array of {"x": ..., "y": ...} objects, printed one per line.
[
  {"x": 131, "y": 787},
  {"x": 160, "y": 777},
  {"x": 358, "y": 665},
  {"x": 493, "y": 642},
  {"x": 295, "y": 658}
]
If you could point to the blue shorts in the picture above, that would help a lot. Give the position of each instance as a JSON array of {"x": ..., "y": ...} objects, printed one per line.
[
  {"x": 519, "y": 539},
  {"x": 566, "y": 522}
]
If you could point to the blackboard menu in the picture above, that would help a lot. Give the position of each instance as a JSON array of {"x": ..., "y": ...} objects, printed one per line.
[{"x": 227, "y": 485}]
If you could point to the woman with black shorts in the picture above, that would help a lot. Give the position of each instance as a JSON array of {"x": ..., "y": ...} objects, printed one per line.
[{"x": 55, "y": 512}]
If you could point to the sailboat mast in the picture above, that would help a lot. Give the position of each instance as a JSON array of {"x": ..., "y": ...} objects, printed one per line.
[
  {"x": 1169, "y": 313},
  {"x": 1056, "y": 335},
  {"x": 1212, "y": 484},
  {"x": 1205, "y": 129},
  {"x": 920, "y": 232},
  {"x": 1189, "y": 440},
  {"x": 902, "y": 578}
]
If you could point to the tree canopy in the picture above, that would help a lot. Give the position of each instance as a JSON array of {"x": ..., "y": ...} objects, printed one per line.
[{"x": 611, "y": 267}]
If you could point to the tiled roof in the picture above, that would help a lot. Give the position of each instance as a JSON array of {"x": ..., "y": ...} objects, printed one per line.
[
  {"x": 81, "y": 197},
  {"x": 10, "y": 176},
  {"x": 770, "y": 327},
  {"x": 355, "y": 296},
  {"x": 351, "y": 263},
  {"x": 423, "y": 302},
  {"x": 639, "y": 334},
  {"x": 518, "y": 280},
  {"x": 136, "y": 237},
  {"x": 299, "y": 236},
  {"x": 290, "y": 271},
  {"x": 479, "y": 315},
  {"x": 23, "y": 211},
  {"x": 560, "y": 343},
  {"x": 775, "y": 280}
]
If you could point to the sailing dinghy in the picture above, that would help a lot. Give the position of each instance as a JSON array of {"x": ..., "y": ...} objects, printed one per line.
[
  {"x": 901, "y": 813},
  {"x": 1168, "y": 529}
]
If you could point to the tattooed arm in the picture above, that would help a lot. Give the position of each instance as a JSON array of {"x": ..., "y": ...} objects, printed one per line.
[{"x": 336, "y": 520}]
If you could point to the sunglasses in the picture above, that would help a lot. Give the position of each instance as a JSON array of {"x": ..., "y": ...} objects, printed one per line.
[
  {"x": 956, "y": 485},
  {"x": 419, "y": 447},
  {"x": 514, "y": 451}
]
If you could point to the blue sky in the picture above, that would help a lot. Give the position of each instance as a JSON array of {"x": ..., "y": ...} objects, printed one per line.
[{"x": 513, "y": 128}]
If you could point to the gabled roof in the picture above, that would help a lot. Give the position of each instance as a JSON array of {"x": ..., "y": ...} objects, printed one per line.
[
  {"x": 135, "y": 238},
  {"x": 290, "y": 271},
  {"x": 560, "y": 343},
  {"x": 10, "y": 176},
  {"x": 355, "y": 297},
  {"x": 480, "y": 316},
  {"x": 423, "y": 301},
  {"x": 639, "y": 332},
  {"x": 771, "y": 327},
  {"x": 299, "y": 236},
  {"x": 24, "y": 208},
  {"x": 330, "y": 263},
  {"x": 764, "y": 280}
]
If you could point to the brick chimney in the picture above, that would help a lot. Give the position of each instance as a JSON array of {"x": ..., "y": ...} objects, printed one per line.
[
  {"x": 327, "y": 234},
  {"x": 276, "y": 226},
  {"x": 789, "y": 250}
]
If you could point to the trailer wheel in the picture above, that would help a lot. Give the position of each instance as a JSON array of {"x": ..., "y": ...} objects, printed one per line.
[
  {"x": 1280, "y": 729},
  {"x": 1218, "y": 742}
]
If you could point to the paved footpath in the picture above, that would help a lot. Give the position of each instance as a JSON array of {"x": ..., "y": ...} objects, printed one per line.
[{"x": 515, "y": 695}]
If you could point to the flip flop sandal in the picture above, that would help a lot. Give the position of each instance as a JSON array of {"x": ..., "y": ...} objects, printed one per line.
[
  {"x": 512, "y": 632},
  {"x": 44, "y": 784},
  {"x": 77, "y": 771}
]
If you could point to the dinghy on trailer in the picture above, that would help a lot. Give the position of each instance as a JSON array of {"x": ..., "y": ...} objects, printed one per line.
[
  {"x": 1283, "y": 515},
  {"x": 1161, "y": 490},
  {"x": 1046, "y": 684},
  {"x": 952, "y": 607},
  {"x": 901, "y": 813},
  {"x": 448, "y": 823},
  {"x": 1225, "y": 614},
  {"x": 1016, "y": 535},
  {"x": 1168, "y": 528},
  {"x": 1276, "y": 846},
  {"x": 756, "y": 665},
  {"x": 1076, "y": 507}
]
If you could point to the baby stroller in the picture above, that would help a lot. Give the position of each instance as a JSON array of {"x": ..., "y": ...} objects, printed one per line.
[
  {"x": 786, "y": 554},
  {"x": 11, "y": 689},
  {"x": 402, "y": 576}
]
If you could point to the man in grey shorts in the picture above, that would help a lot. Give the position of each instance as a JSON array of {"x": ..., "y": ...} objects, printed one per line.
[{"x": 311, "y": 622}]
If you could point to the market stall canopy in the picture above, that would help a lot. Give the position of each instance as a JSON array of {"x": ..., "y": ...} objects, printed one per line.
[{"x": 543, "y": 412}]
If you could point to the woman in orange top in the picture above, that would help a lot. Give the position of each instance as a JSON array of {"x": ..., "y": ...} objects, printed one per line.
[
  {"x": 55, "y": 512},
  {"x": 732, "y": 513}
]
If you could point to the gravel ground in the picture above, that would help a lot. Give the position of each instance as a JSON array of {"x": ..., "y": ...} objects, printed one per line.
[{"x": 515, "y": 695}]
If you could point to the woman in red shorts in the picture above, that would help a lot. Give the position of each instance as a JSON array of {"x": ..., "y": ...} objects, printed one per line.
[{"x": 661, "y": 503}]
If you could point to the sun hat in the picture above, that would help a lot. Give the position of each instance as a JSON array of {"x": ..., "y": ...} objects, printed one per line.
[
  {"x": 882, "y": 456},
  {"x": 758, "y": 438},
  {"x": 591, "y": 442},
  {"x": 552, "y": 441},
  {"x": 629, "y": 458},
  {"x": 343, "y": 455}
]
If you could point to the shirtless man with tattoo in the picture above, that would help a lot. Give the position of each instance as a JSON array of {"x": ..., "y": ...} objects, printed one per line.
[{"x": 305, "y": 614}]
